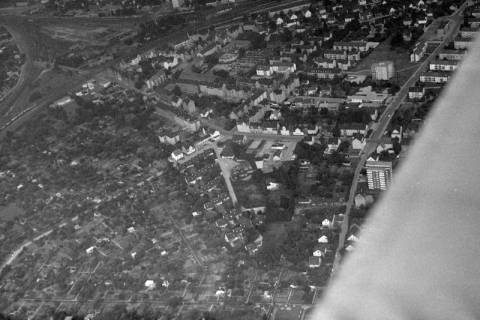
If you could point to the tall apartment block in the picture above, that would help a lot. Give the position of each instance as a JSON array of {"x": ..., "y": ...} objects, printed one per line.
[{"x": 379, "y": 174}]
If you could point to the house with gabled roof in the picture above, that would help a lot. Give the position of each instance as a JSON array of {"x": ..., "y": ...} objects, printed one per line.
[{"x": 314, "y": 262}]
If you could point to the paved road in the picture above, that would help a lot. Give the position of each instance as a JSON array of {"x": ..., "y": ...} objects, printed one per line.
[
  {"x": 382, "y": 126},
  {"x": 19, "y": 250},
  {"x": 226, "y": 171}
]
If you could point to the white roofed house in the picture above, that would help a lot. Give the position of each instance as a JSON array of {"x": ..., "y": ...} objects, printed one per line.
[
  {"x": 264, "y": 71},
  {"x": 283, "y": 67},
  {"x": 326, "y": 223},
  {"x": 176, "y": 155},
  {"x": 358, "y": 142},
  {"x": 150, "y": 284},
  {"x": 167, "y": 62},
  {"x": 169, "y": 138},
  {"x": 62, "y": 102},
  {"x": 176, "y": 101},
  {"x": 323, "y": 239},
  {"x": 397, "y": 133},
  {"x": 332, "y": 145}
]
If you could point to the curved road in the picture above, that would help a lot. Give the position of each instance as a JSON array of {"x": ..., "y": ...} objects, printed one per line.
[{"x": 382, "y": 126}]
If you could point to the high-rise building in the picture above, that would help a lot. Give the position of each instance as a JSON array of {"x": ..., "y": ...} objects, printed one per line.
[
  {"x": 379, "y": 174},
  {"x": 384, "y": 70}
]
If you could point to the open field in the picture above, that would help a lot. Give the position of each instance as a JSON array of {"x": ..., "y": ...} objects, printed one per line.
[
  {"x": 91, "y": 35},
  {"x": 399, "y": 56},
  {"x": 10, "y": 212}
]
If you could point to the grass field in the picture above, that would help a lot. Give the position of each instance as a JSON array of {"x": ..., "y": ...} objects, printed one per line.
[
  {"x": 10, "y": 212},
  {"x": 399, "y": 56}
]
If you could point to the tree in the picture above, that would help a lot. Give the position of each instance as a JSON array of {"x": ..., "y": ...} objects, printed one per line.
[
  {"x": 344, "y": 145},
  {"x": 174, "y": 302},
  {"x": 177, "y": 91},
  {"x": 397, "y": 40}
]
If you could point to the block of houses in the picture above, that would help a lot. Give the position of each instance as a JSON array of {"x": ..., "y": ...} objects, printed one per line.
[
  {"x": 169, "y": 138},
  {"x": 322, "y": 73},
  {"x": 283, "y": 67},
  {"x": 361, "y": 46},
  {"x": 468, "y": 32},
  {"x": 473, "y": 22},
  {"x": 451, "y": 54},
  {"x": 462, "y": 43},
  {"x": 157, "y": 79},
  {"x": 264, "y": 71},
  {"x": 416, "y": 93},
  {"x": 435, "y": 77},
  {"x": 350, "y": 129},
  {"x": 239, "y": 139}
]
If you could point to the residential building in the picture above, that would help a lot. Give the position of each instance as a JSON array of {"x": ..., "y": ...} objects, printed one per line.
[
  {"x": 418, "y": 51},
  {"x": 435, "y": 77},
  {"x": 157, "y": 79},
  {"x": 322, "y": 73},
  {"x": 176, "y": 155},
  {"x": 379, "y": 174},
  {"x": 283, "y": 67},
  {"x": 384, "y": 70},
  {"x": 351, "y": 129},
  {"x": 169, "y": 138},
  {"x": 361, "y": 46},
  {"x": 335, "y": 54},
  {"x": 264, "y": 71},
  {"x": 462, "y": 43},
  {"x": 443, "y": 65},
  {"x": 468, "y": 32},
  {"x": 449, "y": 54},
  {"x": 416, "y": 93}
]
